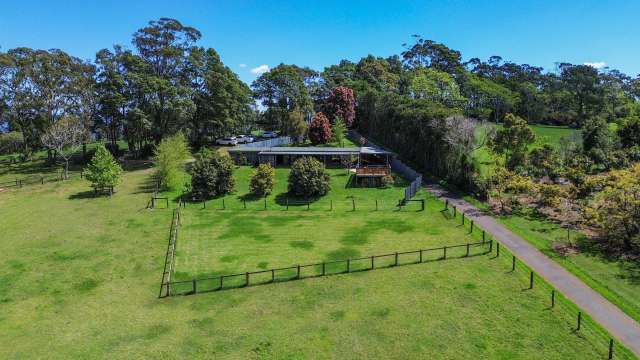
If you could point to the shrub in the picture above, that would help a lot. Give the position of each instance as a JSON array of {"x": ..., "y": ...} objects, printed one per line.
[
  {"x": 11, "y": 142},
  {"x": 103, "y": 170},
  {"x": 262, "y": 180},
  {"x": 169, "y": 158},
  {"x": 308, "y": 178},
  {"x": 212, "y": 174},
  {"x": 387, "y": 180},
  {"x": 320, "y": 129}
]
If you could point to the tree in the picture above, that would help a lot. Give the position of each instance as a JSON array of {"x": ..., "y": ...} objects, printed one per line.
[
  {"x": 169, "y": 158},
  {"x": 428, "y": 53},
  {"x": 308, "y": 178},
  {"x": 262, "y": 180},
  {"x": 295, "y": 126},
  {"x": 597, "y": 140},
  {"x": 616, "y": 211},
  {"x": 339, "y": 131},
  {"x": 512, "y": 141},
  {"x": 65, "y": 137},
  {"x": 320, "y": 129},
  {"x": 281, "y": 90},
  {"x": 11, "y": 142},
  {"x": 341, "y": 104},
  {"x": 212, "y": 174},
  {"x": 435, "y": 85},
  {"x": 629, "y": 132},
  {"x": 583, "y": 82},
  {"x": 103, "y": 170},
  {"x": 544, "y": 161}
]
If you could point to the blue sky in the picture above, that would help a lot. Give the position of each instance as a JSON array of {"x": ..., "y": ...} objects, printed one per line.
[{"x": 248, "y": 34}]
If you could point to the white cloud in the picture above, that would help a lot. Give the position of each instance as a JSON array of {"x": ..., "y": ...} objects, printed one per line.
[
  {"x": 260, "y": 69},
  {"x": 243, "y": 65},
  {"x": 597, "y": 65}
]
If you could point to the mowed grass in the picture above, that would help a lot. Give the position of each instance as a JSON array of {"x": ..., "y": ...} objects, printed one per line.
[
  {"x": 79, "y": 278},
  {"x": 233, "y": 241}
]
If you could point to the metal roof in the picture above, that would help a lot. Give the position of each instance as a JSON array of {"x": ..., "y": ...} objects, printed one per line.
[{"x": 312, "y": 150}]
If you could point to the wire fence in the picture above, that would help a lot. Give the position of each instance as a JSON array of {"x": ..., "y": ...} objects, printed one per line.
[
  {"x": 325, "y": 268},
  {"x": 578, "y": 322},
  {"x": 293, "y": 204},
  {"x": 170, "y": 256},
  {"x": 40, "y": 180}
]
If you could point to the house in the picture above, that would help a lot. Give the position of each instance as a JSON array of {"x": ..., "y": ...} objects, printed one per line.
[{"x": 371, "y": 163}]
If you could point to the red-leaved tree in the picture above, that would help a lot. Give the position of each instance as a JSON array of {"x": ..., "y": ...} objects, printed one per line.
[
  {"x": 341, "y": 103},
  {"x": 320, "y": 129}
]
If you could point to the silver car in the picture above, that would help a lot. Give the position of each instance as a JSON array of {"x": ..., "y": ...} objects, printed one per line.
[{"x": 229, "y": 140}]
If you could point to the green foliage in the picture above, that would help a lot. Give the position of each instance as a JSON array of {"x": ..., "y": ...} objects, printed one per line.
[
  {"x": 11, "y": 142},
  {"x": 169, "y": 158},
  {"x": 212, "y": 174},
  {"x": 629, "y": 132},
  {"x": 262, "y": 180},
  {"x": 616, "y": 211},
  {"x": 435, "y": 85},
  {"x": 320, "y": 129},
  {"x": 598, "y": 141},
  {"x": 103, "y": 170},
  {"x": 338, "y": 131},
  {"x": 512, "y": 141},
  {"x": 295, "y": 125},
  {"x": 544, "y": 161},
  {"x": 308, "y": 178}
]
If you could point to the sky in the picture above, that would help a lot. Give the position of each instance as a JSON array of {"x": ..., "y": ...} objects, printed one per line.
[{"x": 253, "y": 36}]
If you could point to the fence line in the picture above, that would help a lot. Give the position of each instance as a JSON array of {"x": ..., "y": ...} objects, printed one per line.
[
  {"x": 19, "y": 183},
  {"x": 169, "y": 260},
  {"x": 581, "y": 323},
  {"x": 326, "y": 268}
]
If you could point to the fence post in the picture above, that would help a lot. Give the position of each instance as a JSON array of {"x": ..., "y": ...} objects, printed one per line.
[
  {"x": 467, "y": 250},
  {"x": 610, "y": 349},
  {"x": 308, "y": 205},
  {"x": 298, "y": 273},
  {"x": 446, "y": 204},
  {"x": 244, "y": 203},
  {"x": 513, "y": 263},
  {"x": 454, "y": 211},
  {"x": 462, "y": 213},
  {"x": 287, "y": 204},
  {"x": 204, "y": 204},
  {"x": 444, "y": 253},
  {"x": 372, "y": 264},
  {"x": 42, "y": 180},
  {"x": 348, "y": 265},
  {"x": 265, "y": 203},
  {"x": 323, "y": 266},
  {"x": 421, "y": 256},
  {"x": 471, "y": 226},
  {"x": 376, "y": 204},
  {"x": 331, "y": 205},
  {"x": 195, "y": 289},
  {"x": 246, "y": 279},
  {"x": 273, "y": 275},
  {"x": 490, "y": 246},
  {"x": 223, "y": 206},
  {"x": 483, "y": 236},
  {"x": 531, "y": 281},
  {"x": 353, "y": 204},
  {"x": 221, "y": 279},
  {"x": 396, "y": 264},
  {"x": 579, "y": 319},
  {"x": 497, "y": 249},
  {"x": 553, "y": 298}
]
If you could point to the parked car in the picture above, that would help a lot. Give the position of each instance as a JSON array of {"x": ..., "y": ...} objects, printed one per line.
[
  {"x": 229, "y": 140},
  {"x": 244, "y": 139},
  {"x": 270, "y": 134}
]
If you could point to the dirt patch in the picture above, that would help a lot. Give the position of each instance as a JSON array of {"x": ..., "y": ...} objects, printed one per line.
[{"x": 564, "y": 249}]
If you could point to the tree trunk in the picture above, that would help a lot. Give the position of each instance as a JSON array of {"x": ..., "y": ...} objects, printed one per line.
[{"x": 66, "y": 169}]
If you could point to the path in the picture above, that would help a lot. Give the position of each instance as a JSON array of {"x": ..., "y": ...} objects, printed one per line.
[{"x": 619, "y": 324}]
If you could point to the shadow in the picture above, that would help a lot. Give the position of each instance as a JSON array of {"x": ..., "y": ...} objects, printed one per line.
[
  {"x": 90, "y": 194},
  {"x": 250, "y": 197},
  {"x": 285, "y": 198}
]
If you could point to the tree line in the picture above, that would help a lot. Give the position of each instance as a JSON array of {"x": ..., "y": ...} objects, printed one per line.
[{"x": 164, "y": 84}]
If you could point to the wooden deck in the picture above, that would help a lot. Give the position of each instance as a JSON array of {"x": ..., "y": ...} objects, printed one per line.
[{"x": 378, "y": 171}]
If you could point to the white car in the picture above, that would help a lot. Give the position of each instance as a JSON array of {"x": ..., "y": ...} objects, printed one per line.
[
  {"x": 270, "y": 134},
  {"x": 229, "y": 140},
  {"x": 244, "y": 139}
]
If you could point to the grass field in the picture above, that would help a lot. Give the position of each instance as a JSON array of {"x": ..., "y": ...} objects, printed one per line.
[{"x": 77, "y": 267}]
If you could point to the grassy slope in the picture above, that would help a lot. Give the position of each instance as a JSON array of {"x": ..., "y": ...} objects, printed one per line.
[{"x": 87, "y": 287}]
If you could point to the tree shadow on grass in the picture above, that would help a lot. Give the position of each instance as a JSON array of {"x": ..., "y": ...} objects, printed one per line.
[
  {"x": 90, "y": 194},
  {"x": 294, "y": 200}
]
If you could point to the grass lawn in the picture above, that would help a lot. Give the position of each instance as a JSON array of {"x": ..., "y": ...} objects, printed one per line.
[{"x": 79, "y": 278}]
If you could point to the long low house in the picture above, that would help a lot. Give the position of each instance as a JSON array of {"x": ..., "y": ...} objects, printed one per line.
[{"x": 371, "y": 163}]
